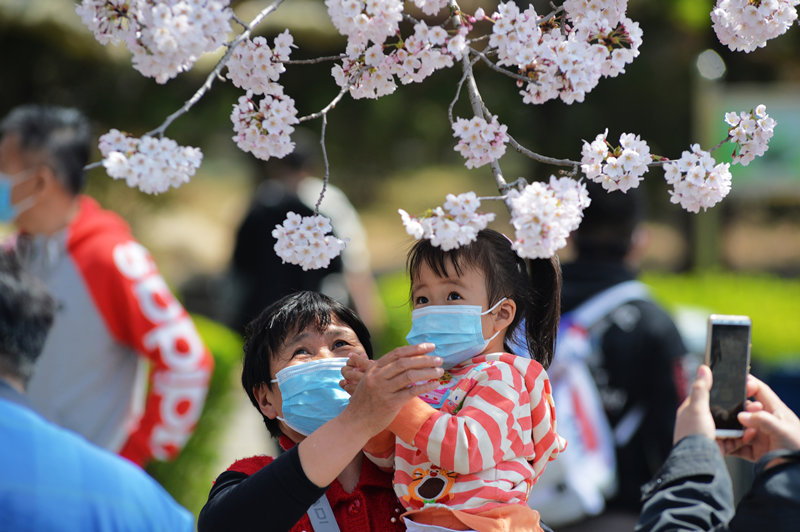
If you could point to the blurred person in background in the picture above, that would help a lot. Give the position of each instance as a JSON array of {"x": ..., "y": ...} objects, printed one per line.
[
  {"x": 258, "y": 277},
  {"x": 636, "y": 355},
  {"x": 117, "y": 320},
  {"x": 52, "y": 479}
]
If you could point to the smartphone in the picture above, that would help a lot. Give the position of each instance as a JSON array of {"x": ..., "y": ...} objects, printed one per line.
[{"x": 728, "y": 356}]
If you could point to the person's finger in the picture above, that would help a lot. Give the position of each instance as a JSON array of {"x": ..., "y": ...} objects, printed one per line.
[
  {"x": 406, "y": 351},
  {"x": 749, "y": 435},
  {"x": 698, "y": 396},
  {"x": 348, "y": 386},
  {"x": 753, "y": 406},
  {"x": 765, "y": 395},
  {"x": 762, "y": 421},
  {"x": 407, "y": 363},
  {"x": 751, "y": 386},
  {"x": 416, "y": 390},
  {"x": 412, "y": 377},
  {"x": 358, "y": 362}
]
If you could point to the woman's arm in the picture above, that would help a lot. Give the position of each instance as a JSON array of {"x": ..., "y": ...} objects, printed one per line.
[
  {"x": 290, "y": 484},
  {"x": 278, "y": 494}
]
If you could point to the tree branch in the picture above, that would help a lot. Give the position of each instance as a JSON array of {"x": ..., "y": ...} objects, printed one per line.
[{"x": 206, "y": 86}]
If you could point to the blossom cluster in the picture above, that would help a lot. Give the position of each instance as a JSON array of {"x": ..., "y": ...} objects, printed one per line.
[
  {"x": 697, "y": 182},
  {"x": 751, "y": 133},
  {"x": 595, "y": 39},
  {"x": 149, "y": 163},
  {"x": 304, "y": 241},
  {"x": 619, "y": 169},
  {"x": 455, "y": 225},
  {"x": 544, "y": 214},
  {"x": 165, "y": 36},
  {"x": 428, "y": 49},
  {"x": 264, "y": 128},
  {"x": 480, "y": 142},
  {"x": 363, "y": 21},
  {"x": 747, "y": 24},
  {"x": 254, "y": 67}
]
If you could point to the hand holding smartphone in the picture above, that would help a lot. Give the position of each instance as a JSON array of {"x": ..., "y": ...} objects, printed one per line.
[{"x": 728, "y": 356}]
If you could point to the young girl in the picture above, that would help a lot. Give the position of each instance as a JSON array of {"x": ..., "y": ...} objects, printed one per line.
[{"x": 466, "y": 454}]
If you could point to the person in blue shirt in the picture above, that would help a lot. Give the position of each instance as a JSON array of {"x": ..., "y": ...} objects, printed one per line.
[{"x": 52, "y": 479}]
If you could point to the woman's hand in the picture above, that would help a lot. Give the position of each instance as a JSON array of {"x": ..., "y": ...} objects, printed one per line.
[{"x": 380, "y": 388}]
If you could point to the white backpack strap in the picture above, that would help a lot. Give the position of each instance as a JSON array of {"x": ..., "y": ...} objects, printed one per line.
[
  {"x": 598, "y": 306},
  {"x": 321, "y": 515}
]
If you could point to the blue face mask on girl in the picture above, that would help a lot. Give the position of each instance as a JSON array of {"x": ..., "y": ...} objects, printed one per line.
[
  {"x": 456, "y": 331},
  {"x": 311, "y": 393}
]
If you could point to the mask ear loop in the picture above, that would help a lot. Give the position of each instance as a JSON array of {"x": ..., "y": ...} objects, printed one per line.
[
  {"x": 494, "y": 307},
  {"x": 491, "y": 310}
]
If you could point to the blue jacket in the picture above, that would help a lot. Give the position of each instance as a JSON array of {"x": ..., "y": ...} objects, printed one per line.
[
  {"x": 52, "y": 479},
  {"x": 692, "y": 491}
]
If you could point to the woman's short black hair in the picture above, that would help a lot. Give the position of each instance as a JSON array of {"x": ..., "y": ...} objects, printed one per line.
[{"x": 265, "y": 335}]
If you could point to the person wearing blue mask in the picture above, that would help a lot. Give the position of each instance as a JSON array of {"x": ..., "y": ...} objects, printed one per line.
[
  {"x": 466, "y": 454},
  {"x": 293, "y": 356},
  {"x": 124, "y": 365},
  {"x": 52, "y": 479}
]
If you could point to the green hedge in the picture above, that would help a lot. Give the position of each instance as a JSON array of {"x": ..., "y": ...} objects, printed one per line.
[
  {"x": 188, "y": 478},
  {"x": 773, "y": 303}
]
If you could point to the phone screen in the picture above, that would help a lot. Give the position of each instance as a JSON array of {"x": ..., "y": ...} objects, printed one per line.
[{"x": 729, "y": 354}]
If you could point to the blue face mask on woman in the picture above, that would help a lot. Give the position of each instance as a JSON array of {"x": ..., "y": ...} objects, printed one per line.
[
  {"x": 456, "y": 330},
  {"x": 311, "y": 393}
]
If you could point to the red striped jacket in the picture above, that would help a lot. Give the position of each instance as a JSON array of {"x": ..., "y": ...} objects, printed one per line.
[{"x": 475, "y": 445}]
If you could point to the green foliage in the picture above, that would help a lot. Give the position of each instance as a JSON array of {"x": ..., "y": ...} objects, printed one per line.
[
  {"x": 394, "y": 291},
  {"x": 771, "y": 302},
  {"x": 188, "y": 478}
]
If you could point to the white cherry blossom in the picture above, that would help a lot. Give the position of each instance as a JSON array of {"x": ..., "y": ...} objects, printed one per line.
[
  {"x": 697, "y": 181},
  {"x": 151, "y": 164},
  {"x": 306, "y": 242},
  {"x": 455, "y": 225},
  {"x": 544, "y": 214},
  {"x": 480, "y": 142},
  {"x": 750, "y": 132},
  {"x": 745, "y": 25},
  {"x": 619, "y": 168}
]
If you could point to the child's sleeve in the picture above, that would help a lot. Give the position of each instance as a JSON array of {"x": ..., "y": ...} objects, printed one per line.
[
  {"x": 380, "y": 450},
  {"x": 493, "y": 424},
  {"x": 547, "y": 444}
]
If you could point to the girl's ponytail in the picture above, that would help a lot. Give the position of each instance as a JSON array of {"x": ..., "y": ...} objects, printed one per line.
[{"x": 541, "y": 319}]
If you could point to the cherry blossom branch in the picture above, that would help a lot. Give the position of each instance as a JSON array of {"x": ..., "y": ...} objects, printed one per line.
[
  {"x": 475, "y": 96},
  {"x": 315, "y": 60},
  {"x": 499, "y": 69},
  {"x": 214, "y": 74},
  {"x": 217, "y": 69},
  {"x": 326, "y": 176},
  {"x": 538, "y": 157},
  {"x": 323, "y": 113}
]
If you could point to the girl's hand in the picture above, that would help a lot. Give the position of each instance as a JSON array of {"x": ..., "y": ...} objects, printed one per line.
[{"x": 357, "y": 364}]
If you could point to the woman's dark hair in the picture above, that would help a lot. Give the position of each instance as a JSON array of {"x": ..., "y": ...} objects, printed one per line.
[
  {"x": 534, "y": 285},
  {"x": 265, "y": 335}
]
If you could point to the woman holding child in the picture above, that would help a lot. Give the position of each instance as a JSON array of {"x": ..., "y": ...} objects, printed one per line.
[
  {"x": 485, "y": 427},
  {"x": 311, "y": 333}
]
